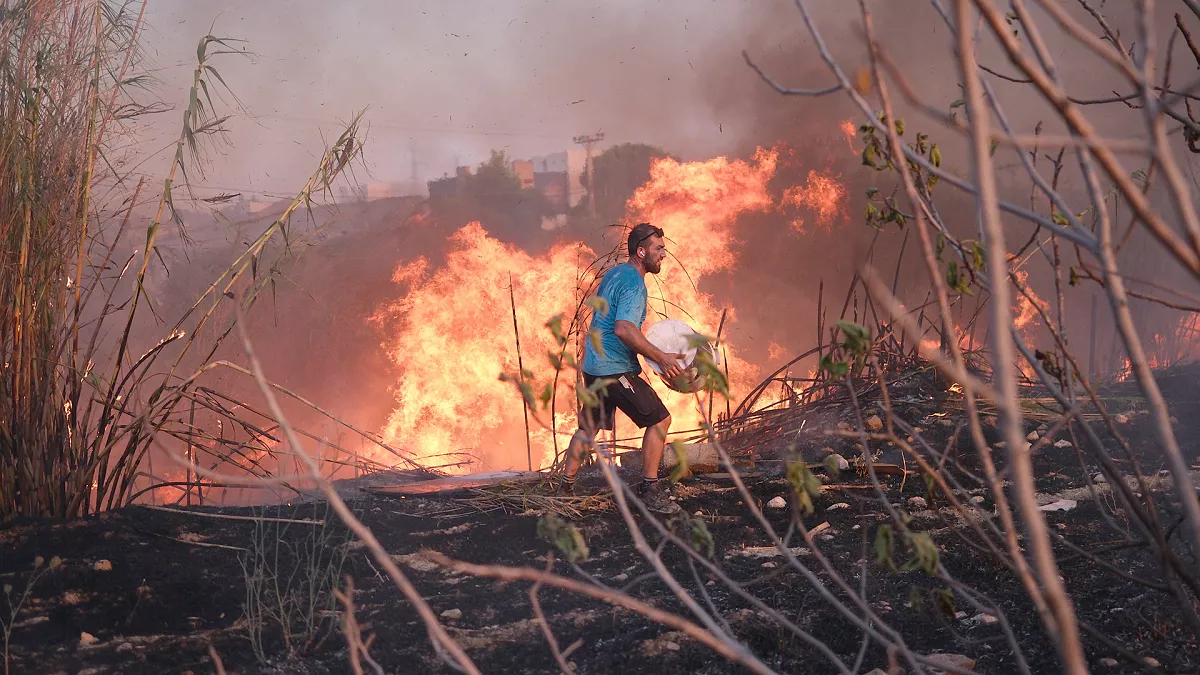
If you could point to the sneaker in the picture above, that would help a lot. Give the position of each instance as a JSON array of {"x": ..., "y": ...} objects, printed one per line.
[{"x": 657, "y": 497}]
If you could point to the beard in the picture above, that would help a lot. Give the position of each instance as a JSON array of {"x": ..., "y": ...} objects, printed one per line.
[{"x": 653, "y": 267}]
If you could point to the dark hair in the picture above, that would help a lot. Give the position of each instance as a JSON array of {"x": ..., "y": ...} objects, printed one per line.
[{"x": 639, "y": 234}]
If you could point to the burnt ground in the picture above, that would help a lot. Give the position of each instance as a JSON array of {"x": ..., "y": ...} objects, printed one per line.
[{"x": 154, "y": 589}]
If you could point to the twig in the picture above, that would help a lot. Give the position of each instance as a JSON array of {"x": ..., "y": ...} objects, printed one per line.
[
  {"x": 521, "y": 373},
  {"x": 441, "y": 640},
  {"x": 545, "y": 625},
  {"x": 611, "y": 597}
]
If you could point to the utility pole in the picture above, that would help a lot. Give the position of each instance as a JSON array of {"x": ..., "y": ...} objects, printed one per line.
[{"x": 587, "y": 142}]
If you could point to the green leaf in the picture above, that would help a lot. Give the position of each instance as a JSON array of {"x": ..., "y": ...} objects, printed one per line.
[
  {"x": 681, "y": 461},
  {"x": 565, "y": 536},
  {"x": 1074, "y": 276},
  {"x": 884, "y": 546},
  {"x": 944, "y": 599},
  {"x": 836, "y": 369},
  {"x": 925, "y": 553},
  {"x": 598, "y": 304},
  {"x": 831, "y": 466},
  {"x": 857, "y": 338},
  {"x": 935, "y": 155},
  {"x": 701, "y": 538},
  {"x": 805, "y": 485},
  {"x": 597, "y": 344},
  {"x": 871, "y": 192},
  {"x": 957, "y": 103},
  {"x": 555, "y": 326}
]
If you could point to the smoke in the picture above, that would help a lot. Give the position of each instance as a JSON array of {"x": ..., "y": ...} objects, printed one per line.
[{"x": 444, "y": 83}]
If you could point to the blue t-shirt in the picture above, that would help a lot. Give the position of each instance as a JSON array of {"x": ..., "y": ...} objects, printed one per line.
[{"x": 625, "y": 290}]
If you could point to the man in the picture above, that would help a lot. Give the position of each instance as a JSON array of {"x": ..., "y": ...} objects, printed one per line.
[{"x": 620, "y": 328}]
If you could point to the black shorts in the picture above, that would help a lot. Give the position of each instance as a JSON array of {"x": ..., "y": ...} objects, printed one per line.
[{"x": 628, "y": 393}]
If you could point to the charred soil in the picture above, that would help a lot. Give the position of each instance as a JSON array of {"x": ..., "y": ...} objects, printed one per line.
[{"x": 147, "y": 591}]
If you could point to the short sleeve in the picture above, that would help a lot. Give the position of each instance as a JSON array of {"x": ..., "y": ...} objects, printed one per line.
[{"x": 630, "y": 305}]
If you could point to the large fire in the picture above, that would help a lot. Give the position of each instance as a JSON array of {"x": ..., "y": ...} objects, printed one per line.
[
  {"x": 822, "y": 194},
  {"x": 451, "y": 335}
]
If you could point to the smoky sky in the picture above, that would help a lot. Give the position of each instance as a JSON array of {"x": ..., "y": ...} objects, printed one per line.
[
  {"x": 445, "y": 82},
  {"x": 449, "y": 81}
]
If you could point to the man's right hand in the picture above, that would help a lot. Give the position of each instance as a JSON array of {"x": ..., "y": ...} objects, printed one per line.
[{"x": 670, "y": 364}]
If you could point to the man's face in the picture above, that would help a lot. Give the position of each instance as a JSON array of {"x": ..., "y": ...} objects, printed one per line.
[{"x": 656, "y": 251}]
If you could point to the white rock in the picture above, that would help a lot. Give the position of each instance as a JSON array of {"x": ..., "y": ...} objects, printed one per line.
[
  {"x": 621, "y": 577},
  {"x": 960, "y": 615},
  {"x": 1152, "y": 662},
  {"x": 917, "y": 503},
  {"x": 124, "y": 647},
  {"x": 453, "y": 614},
  {"x": 1033, "y": 436},
  {"x": 837, "y": 507},
  {"x": 777, "y": 503},
  {"x": 1109, "y": 662},
  {"x": 769, "y": 565},
  {"x": 978, "y": 499},
  {"x": 699, "y": 514},
  {"x": 1099, "y": 478},
  {"x": 874, "y": 423},
  {"x": 842, "y": 463},
  {"x": 672, "y": 646},
  {"x": 86, "y": 638},
  {"x": 985, "y": 619},
  {"x": 102, "y": 566},
  {"x": 416, "y": 561},
  {"x": 1000, "y": 445},
  {"x": 1042, "y": 428},
  {"x": 1119, "y": 419},
  {"x": 1062, "y": 443},
  {"x": 956, "y": 661},
  {"x": 1060, "y": 505}
]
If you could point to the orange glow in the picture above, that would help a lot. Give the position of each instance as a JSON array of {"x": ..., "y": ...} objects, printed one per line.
[
  {"x": 453, "y": 337},
  {"x": 451, "y": 334},
  {"x": 697, "y": 204},
  {"x": 1026, "y": 313},
  {"x": 776, "y": 351},
  {"x": 850, "y": 132},
  {"x": 822, "y": 194}
]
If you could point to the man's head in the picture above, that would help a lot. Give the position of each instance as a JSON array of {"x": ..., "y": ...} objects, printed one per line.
[{"x": 647, "y": 248}]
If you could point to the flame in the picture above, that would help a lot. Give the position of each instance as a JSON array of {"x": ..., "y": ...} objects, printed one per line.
[
  {"x": 697, "y": 203},
  {"x": 823, "y": 194},
  {"x": 1026, "y": 312},
  {"x": 776, "y": 352},
  {"x": 451, "y": 334},
  {"x": 453, "y": 337},
  {"x": 850, "y": 132}
]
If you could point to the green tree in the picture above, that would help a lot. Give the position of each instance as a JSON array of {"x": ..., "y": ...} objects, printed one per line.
[{"x": 618, "y": 172}]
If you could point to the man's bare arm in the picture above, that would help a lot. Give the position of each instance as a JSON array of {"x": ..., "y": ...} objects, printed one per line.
[{"x": 633, "y": 338}]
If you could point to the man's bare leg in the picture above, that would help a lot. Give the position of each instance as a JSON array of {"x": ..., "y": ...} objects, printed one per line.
[
  {"x": 652, "y": 448},
  {"x": 575, "y": 450}
]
